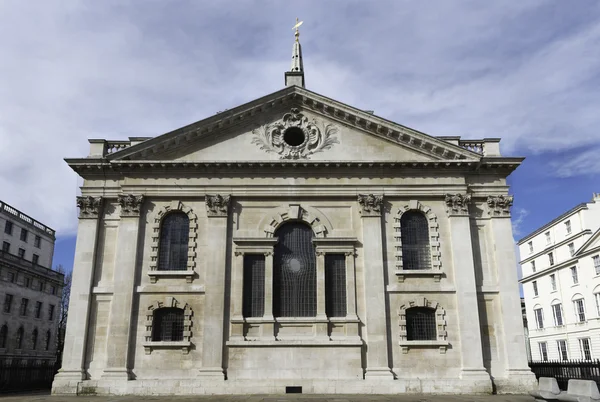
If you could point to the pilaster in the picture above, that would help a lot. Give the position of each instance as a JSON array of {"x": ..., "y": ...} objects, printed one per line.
[
  {"x": 518, "y": 374},
  {"x": 376, "y": 323},
  {"x": 119, "y": 323},
  {"x": 457, "y": 207},
  {"x": 90, "y": 211},
  {"x": 217, "y": 210}
]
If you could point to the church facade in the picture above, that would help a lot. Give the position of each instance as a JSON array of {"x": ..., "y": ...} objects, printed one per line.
[{"x": 294, "y": 243}]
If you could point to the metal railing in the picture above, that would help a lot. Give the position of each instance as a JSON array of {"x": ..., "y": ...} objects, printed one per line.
[
  {"x": 567, "y": 370},
  {"x": 26, "y": 375}
]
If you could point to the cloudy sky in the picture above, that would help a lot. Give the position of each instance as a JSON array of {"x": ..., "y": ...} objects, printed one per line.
[{"x": 526, "y": 71}]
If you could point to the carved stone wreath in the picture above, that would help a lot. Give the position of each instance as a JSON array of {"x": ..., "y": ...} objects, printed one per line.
[{"x": 270, "y": 137}]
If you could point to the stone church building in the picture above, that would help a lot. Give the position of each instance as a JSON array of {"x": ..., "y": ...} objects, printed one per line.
[{"x": 294, "y": 244}]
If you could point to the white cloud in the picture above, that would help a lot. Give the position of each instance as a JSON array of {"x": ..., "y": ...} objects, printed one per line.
[
  {"x": 518, "y": 217},
  {"x": 523, "y": 71}
]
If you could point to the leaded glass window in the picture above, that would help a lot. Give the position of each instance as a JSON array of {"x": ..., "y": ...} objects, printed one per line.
[
  {"x": 167, "y": 324},
  {"x": 420, "y": 324},
  {"x": 414, "y": 230},
  {"x": 335, "y": 285},
  {"x": 254, "y": 285},
  {"x": 173, "y": 247},
  {"x": 294, "y": 272}
]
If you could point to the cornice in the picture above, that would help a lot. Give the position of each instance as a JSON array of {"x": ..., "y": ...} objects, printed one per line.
[
  {"x": 553, "y": 246},
  {"x": 541, "y": 229}
]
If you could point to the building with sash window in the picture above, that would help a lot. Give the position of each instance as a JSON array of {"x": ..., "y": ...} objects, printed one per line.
[{"x": 294, "y": 244}]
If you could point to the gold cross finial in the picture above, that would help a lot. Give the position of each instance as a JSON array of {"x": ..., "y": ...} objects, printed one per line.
[{"x": 298, "y": 23}]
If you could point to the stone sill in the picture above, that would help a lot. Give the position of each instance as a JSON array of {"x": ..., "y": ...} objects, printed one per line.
[
  {"x": 188, "y": 274},
  {"x": 170, "y": 289},
  {"x": 184, "y": 345},
  {"x": 403, "y": 273},
  {"x": 406, "y": 345},
  {"x": 298, "y": 342},
  {"x": 293, "y": 320}
]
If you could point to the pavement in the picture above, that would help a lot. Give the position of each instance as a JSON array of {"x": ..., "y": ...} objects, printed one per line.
[{"x": 270, "y": 398}]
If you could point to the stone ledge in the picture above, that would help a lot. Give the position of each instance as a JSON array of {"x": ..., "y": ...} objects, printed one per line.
[
  {"x": 406, "y": 345},
  {"x": 170, "y": 289},
  {"x": 307, "y": 342},
  {"x": 434, "y": 273},
  {"x": 155, "y": 275},
  {"x": 184, "y": 345}
]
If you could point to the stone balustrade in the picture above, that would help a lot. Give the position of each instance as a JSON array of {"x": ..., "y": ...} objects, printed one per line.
[
  {"x": 25, "y": 218},
  {"x": 485, "y": 147}
]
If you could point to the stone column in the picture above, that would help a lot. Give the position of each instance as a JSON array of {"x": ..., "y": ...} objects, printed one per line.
[
  {"x": 217, "y": 208},
  {"x": 519, "y": 376},
  {"x": 119, "y": 322},
  {"x": 375, "y": 292},
  {"x": 457, "y": 207},
  {"x": 90, "y": 210}
]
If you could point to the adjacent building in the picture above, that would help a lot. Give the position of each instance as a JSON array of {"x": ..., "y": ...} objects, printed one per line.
[
  {"x": 30, "y": 291},
  {"x": 561, "y": 285},
  {"x": 294, "y": 243}
]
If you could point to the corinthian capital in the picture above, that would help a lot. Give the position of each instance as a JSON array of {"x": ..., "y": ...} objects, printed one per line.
[
  {"x": 89, "y": 207},
  {"x": 217, "y": 205},
  {"x": 457, "y": 204},
  {"x": 130, "y": 204},
  {"x": 499, "y": 205},
  {"x": 370, "y": 204}
]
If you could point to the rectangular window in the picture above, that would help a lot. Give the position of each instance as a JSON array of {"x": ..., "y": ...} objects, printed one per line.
[
  {"x": 533, "y": 266},
  {"x": 23, "y": 309},
  {"x": 37, "y": 241},
  {"x": 38, "y": 309},
  {"x": 24, "y": 234},
  {"x": 530, "y": 244},
  {"x": 53, "y": 289},
  {"x": 254, "y": 285},
  {"x": 51, "y": 312},
  {"x": 553, "y": 281},
  {"x": 574, "y": 275},
  {"x": 539, "y": 319},
  {"x": 335, "y": 285},
  {"x": 585, "y": 349},
  {"x": 597, "y": 297},
  {"x": 551, "y": 259},
  {"x": 21, "y": 253},
  {"x": 6, "y": 247},
  {"x": 535, "y": 289},
  {"x": 596, "y": 260},
  {"x": 35, "y": 258},
  {"x": 562, "y": 349},
  {"x": 579, "y": 310},
  {"x": 548, "y": 240},
  {"x": 8, "y": 303},
  {"x": 27, "y": 282},
  {"x": 544, "y": 351},
  {"x": 11, "y": 277},
  {"x": 8, "y": 227},
  {"x": 568, "y": 227},
  {"x": 557, "y": 312},
  {"x": 42, "y": 286},
  {"x": 571, "y": 249}
]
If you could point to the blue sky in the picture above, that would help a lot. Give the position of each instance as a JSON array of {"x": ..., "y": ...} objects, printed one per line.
[{"x": 525, "y": 71}]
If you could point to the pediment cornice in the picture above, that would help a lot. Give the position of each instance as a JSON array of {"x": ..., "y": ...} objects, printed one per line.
[{"x": 417, "y": 141}]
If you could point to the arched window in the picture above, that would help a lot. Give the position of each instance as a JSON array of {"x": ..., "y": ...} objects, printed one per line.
[
  {"x": 47, "y": 341},
  {"x": 3, "y": 336},
  {"x": 19, "y": 338},
  {"x": 414, "y": 231},
  {"x": 167, "y": 324},
  {"x": 294, "y": 272},
  {"x": 173, "y": 246},
  {"x": 420, "y": 324},
  {"x": 34, "y": 338}
]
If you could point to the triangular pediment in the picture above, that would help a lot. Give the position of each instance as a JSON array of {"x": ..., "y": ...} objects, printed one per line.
[{"x": 330, "y": 130}]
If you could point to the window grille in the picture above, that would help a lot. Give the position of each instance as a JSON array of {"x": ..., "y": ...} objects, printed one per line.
[
  {"x": 254, "y": 285},
  {"x": 173, "y": 246},
  {"x": 167, "y": 324},
  {"x": 420, "y": 324},
  {"x": 3, "y": 336},
  {"x": 414, "y": 231},
  {"x": 294, "y": 272},
  {"x": 335, "y": 285},
  {"x": 34, "y": 338},
  {"x": 19, "y": 338}
]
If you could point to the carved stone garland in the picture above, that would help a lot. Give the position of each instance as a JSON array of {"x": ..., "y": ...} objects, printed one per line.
[
  {"x": 187, "y": 323},
  {"x": 193, "y": 234},
  {"x": 89, "y": 207},
  {"x": 440, "y": 321},
  {"x": 130, "y": 204},
  {"x": 371, "y": 204},
  {"x": 499, "y": 205},
  {"x": 434, "y": 236},
  {"x": 217, "y": 205},
  {"x": 317, "y": 138}
]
